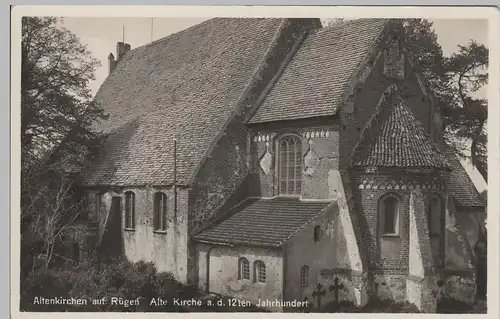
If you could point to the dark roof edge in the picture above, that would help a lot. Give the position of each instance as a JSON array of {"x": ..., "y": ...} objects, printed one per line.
[
  {"x": 237, "y": 108},
  {"x": 329, "y": 206},
  {"x": 236, "y": 243},
  {"x": 221, "y": 217},
  {"x": 390, "y": 90},
  {"x": 365, "y": 67},
  {"x": 288, "y": 58}
]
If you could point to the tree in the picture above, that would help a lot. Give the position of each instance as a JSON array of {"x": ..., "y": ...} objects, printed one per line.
[
  {"x": 55, "y": 95},
  {"x": 57, "y": 115},
  {"x": 52, "y": 211},
  {"x": 454, "y": 81},
  {"x": 467, "y": 114}
]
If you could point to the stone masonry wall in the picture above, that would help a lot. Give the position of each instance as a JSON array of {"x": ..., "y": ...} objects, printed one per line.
[
  {"x": 223, "y": 272},
  {"x": 302, "y": 250},
  {"x": 168, "y": 250},
  {"x": 319, "y": 153},
  {"x": 389, "y": 253}
]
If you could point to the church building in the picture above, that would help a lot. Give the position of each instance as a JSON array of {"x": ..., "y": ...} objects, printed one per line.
[{"x": 258, "y": 158}]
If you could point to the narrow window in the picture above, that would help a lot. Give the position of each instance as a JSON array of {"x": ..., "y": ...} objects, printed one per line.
[
  {"x": 389, "y": 215},
  {"x": 160, "y": 211},
  {"x": 129, "y": 210},
  {"x": 434, "y": 217},
  {"x": 304, "y": 276},
  {"x": 244, "y": 269},
  {"x": 317, "y": 233},
  {"x": 98, "y": 203},
  {"x": 290, "y": 165},
  {"x": 259, "y": 271}
]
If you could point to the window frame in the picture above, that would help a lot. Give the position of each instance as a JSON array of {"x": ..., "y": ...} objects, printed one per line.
[
  {"x": 297, "y": 167},
  {"x": 259, "y": 275},
  {"x": 304, "y": 276},
  {"x": 160, "y": 217},
  {"x": 129, "y": 210},
  {"x": 97, "y": 203},
  {"x": 243, "y": 269},
  {"x": 318, "y": 232},
  {"x": 382, "y": 212},
  {"x": 441, "y": 215}
]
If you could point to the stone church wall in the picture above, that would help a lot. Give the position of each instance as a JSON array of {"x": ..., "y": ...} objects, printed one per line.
[
  {"x": 168, "y": 250},
  {"x": 303, "y": 250},
  {"x": 320, "y": 143},
  {"x": 223, "y": 272}
]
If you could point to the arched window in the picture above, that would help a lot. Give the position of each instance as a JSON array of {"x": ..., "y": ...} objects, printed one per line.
[
  {"x": 290, "y": 165},
  {"x": 434, "y": 217},
  {"x": 259, "y": 271},
  {"x": 160, "y": 211},
  {"x": 304, "y": 276},
  {"x": 389, "y": 215},
  {"x": 129, "y": 210},
  {"x": 243, "y": 269},
  {"x": 317, "y": 233}
]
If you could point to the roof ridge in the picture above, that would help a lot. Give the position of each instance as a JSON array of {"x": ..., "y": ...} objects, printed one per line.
[
  {"x": 179, "y": 33},
  {"x": 328, "y": 48},
  {"x": 237, "y": 107}
]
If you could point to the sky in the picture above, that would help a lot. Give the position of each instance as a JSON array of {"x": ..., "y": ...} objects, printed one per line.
[{"x": 101, "y": 35}]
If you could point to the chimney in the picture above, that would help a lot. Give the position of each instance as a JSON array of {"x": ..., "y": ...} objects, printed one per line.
[
  {"x": 121, "y": 49},
  {"x": 111, "y": 62}
]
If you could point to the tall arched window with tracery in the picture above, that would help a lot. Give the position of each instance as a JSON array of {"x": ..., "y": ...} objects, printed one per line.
[{"x": 290, "y": 165}]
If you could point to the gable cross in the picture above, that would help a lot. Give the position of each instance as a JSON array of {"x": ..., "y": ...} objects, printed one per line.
[
  {"x": 335, "y": 288},
  {"x": 318, "y": 293}
]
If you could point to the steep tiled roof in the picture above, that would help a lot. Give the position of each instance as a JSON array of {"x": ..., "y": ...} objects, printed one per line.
[
  {"x": 263, "y": 222},
  {"x": 182, "y": 87},
  {"x": 394, "y": 138},
  {"x": 461, "y": 187},
  {"x": 314, "y": 82}
]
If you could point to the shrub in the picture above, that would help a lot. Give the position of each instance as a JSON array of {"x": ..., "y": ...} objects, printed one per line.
[
  {"x": 453, "y": 305},
  {"x": 116, "y": 278}
]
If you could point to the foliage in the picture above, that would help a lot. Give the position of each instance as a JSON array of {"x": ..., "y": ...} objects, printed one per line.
[
  {"x": 56, "y": 133},
  {"x": 55, "y": 94},
  {"x": 454, "y": 82},
  {"x": 118, "y": 278}
]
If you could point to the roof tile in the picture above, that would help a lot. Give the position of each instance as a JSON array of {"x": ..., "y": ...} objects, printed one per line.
[
  {"x": 182, "y": 87},
  {"x": 317, "y": 77},
  {"x": 263, "y": 222},
  {"x": 461, "y": 186},
  {"x": 394, "y": 138}
]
